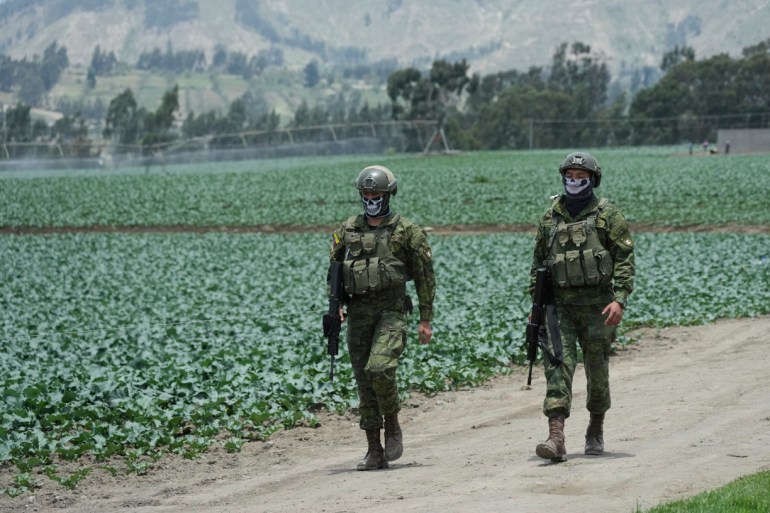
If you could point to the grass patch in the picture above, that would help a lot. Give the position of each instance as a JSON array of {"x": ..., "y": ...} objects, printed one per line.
[{"x": 748, "y": 494}]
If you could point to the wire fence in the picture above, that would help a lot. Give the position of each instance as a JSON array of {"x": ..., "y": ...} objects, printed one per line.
[
  {"x": 376, "y": 138},
  {"x": 328, "y": 139}
]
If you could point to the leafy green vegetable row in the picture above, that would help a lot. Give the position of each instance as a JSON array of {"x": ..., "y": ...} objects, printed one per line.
[
  {"x": 137, "y": 344},
  {"x": 651, "y": 185}
]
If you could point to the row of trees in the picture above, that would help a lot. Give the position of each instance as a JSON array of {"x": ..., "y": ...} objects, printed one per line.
[
  {"x": 564, "y": 104},
  {"x": 33, "y": 78},
  {"x": 129, "y": 124},
  {"x": 694, "y": 97},
  {"x": 233, "y": 63},
  {"x": 567, "y": 103},
  {"x": 19, "y": 127}
]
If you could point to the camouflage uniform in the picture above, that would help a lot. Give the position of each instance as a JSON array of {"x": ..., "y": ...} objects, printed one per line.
[
  {"x": 579, "y": 307},
  {"x": 376, "y": 333}
]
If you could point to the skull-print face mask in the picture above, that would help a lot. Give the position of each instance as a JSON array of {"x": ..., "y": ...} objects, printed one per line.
[
  {"x": 577, "y": 187},
  {"x": 377, "y": 206}
]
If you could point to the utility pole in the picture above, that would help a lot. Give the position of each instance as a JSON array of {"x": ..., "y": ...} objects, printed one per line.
[{"x": 531, "y": 134}]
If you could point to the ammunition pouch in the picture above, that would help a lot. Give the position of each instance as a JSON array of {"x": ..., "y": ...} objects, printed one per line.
[{"x": 578, "y": 259}]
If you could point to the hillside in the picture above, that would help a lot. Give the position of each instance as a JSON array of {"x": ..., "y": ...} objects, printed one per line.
[{"x": 492, "y": 35}]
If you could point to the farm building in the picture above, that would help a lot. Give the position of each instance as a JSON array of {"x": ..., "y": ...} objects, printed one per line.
[{"x": 743, "y": 140}]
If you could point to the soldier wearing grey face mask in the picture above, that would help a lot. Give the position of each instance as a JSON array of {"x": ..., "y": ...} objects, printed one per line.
[
  {"x": 585, "y": 243},
  {"x": 380, "y": 252}
]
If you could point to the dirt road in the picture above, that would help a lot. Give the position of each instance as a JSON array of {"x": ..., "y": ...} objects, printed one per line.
[{"x": 691, "y": 411}]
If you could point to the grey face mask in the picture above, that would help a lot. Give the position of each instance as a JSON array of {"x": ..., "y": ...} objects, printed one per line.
[{"x": 375, "y": 207}]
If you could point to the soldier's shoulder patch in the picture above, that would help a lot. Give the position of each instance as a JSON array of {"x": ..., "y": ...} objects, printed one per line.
[
  {"x": 336, "y": 242},
  {"x": 625, "y": 241}
]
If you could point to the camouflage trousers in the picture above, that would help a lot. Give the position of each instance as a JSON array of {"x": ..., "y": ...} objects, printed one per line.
[
  {"x": 583, "y": 325},
  {"x": 376, "y": 338}
]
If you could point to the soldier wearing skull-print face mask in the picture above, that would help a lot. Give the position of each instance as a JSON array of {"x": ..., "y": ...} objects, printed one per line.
[
  {"x": 380, "y": 252},
  {"x": 585, "y": 243}
]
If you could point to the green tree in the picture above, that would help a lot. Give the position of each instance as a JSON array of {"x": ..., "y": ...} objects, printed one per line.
[
  {"x": 103, "y": 63},
  {"x": 7, "y": 70},
  {"x": 414, "y": 96},
  {"x": 31, "y": 85},
  {"x": 758, "y": 49},
  {"x": 451, "y": 80},
  {"x": 236, "y": 115},
  {"x": 91, "y": 78},
  {"x": 694, "y": 98},
  {"x": 70, "y": 128},
  {"x": 158, "y": 124},
  {"x": 53, "y": 63},
  {"x": 677, "y": 56},
  {"x": 269, "y": 121},
  {"x": 581, "y": 75},
  {"x": 505, "y": 123},
  {"x": 18, "y": 123},
  {"x": 123, "y": 120},
  {"x": 312, "y": 75},
  {"x": 751, "y": 83},
  {"x": 405, "y": 88},
  {"x": 204, "y": 124},
  {"x": 302, "y": 115},
  {"x": 490, "y": 86}
]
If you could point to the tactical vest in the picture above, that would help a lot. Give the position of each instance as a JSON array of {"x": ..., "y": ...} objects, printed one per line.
[
  {"x": 576, "y": 256},
  {"x": 369, "y": 266}
]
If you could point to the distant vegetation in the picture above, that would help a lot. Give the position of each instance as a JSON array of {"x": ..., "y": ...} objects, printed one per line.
[
  {"x": 564, "y": 104},
  {"x": 232, "y": 63},
  {"x": 169, "y": 12},
  {"x": 248, "y": 14},
  {"x": 33, "y": 78},
  {"x": 157, "y": 14}
]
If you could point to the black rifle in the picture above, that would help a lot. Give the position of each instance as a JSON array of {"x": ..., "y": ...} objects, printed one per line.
[
  {"x": 332, "y": 321},
  {"x": 543, "y": 310}
]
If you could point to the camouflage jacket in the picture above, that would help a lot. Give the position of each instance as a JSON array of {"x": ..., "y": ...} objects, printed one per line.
[
  {"x": 614, "y": 235},
  {"x": 409, "y": 244}
]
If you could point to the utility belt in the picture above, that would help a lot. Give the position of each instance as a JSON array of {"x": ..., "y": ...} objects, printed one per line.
[{"x": 391, "y": 300}]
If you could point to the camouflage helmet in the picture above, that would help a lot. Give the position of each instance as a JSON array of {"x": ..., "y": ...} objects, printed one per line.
[
  {"x": 584, "y": 161},
  {"x": 376, "y": 179}
]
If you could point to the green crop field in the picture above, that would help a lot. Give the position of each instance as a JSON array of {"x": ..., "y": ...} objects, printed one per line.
[
  {"x": 129, "y": 346},
  {"x": 651, "y": 186}
]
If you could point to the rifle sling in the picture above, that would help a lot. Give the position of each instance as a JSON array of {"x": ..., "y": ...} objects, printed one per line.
[{"x": 557, "y": 358}]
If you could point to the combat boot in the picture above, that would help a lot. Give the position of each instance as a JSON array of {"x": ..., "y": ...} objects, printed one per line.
[
  {"x": 394, "y": 438},
  {"x": 375, "y": 457},
  {"x": 595, "y": 435},
  {"x": 553, "y": 448}
]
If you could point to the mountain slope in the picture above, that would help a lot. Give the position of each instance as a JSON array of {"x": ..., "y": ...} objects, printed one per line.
[{"x": 492, "y": 34}]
